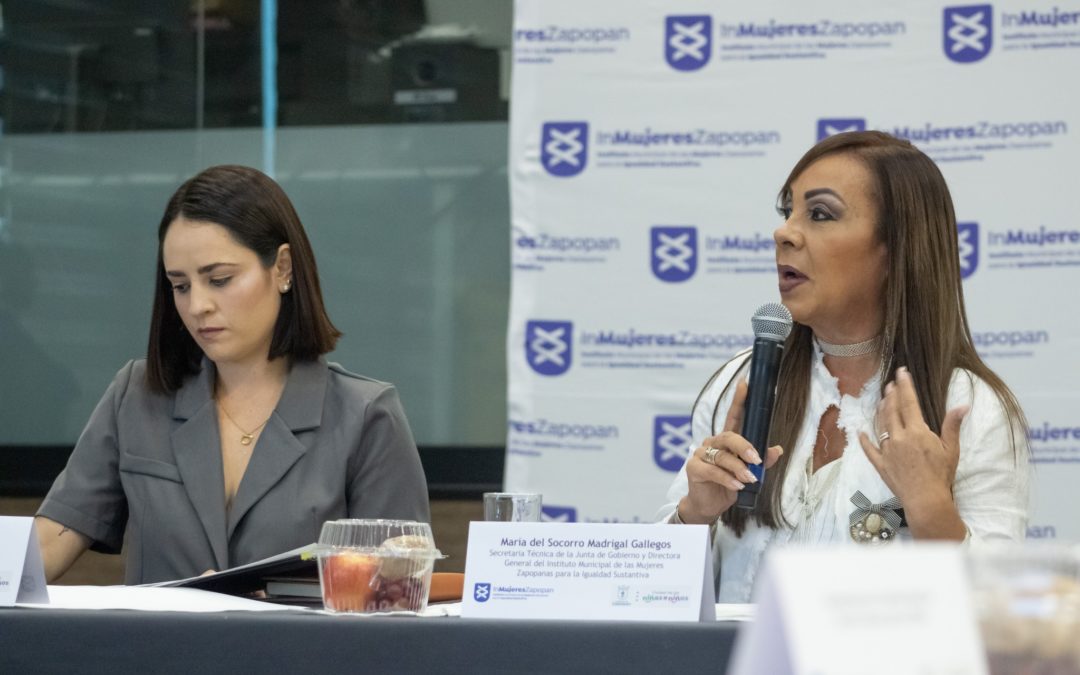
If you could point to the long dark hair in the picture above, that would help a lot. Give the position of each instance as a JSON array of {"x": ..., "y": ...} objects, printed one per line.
[
  {"x": 258, "y": 215},
  {"x": 926, "y": 328}
]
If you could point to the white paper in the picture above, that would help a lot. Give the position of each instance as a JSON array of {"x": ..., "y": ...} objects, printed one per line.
[
  {"x": 443, "y": 609},
  {"x": 596, "y": 571},
  {"x": 151, "y": 599},
  {"x": 762, "y": 645},
  {"x": 731, "y": 611},
  {"x": 847, "y": 611},
  {"x": 22, "y": 576}
]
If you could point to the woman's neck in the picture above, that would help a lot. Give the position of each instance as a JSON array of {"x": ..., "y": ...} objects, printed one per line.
[
  {"x": 251, "y": 380},
  {"x": 853, "y": 372}
]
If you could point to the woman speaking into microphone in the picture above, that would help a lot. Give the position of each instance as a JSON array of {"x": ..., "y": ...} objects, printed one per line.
[
  {"x": 234, "y": 439},
  {"x": 887, "y": 424}
]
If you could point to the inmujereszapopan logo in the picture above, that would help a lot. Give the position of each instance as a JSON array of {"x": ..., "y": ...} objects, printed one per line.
[
  {"x": 481, "y": 592},
  {"x": 687, "y": 41},
  {"x": 968, "y": 32},
  {"x": 671, "y": 441},
  {"x": 830, "y": 126},
  {"x": 673, "y": 253},
  {"x": 564, "y": 148},
  {"x": 968, "y": 241},
  {"x": 549, "y": 346},
  {"x": 558, "y": 514}
]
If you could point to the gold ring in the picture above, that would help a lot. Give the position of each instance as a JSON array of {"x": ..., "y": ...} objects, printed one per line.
[{"x": 710, "y": 455}]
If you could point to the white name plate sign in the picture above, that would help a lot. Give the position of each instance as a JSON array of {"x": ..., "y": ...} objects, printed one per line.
[
  {"x": 595, "y": 571},
  {"x": 851, "y": 611},
  {"x": 22, "y": 576}
]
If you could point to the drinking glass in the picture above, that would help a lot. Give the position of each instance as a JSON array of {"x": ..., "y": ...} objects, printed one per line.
[{"x": 521, "y": 507}]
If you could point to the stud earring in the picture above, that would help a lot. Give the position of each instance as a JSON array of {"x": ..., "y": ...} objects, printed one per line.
[{"x": 285, "y": 287}]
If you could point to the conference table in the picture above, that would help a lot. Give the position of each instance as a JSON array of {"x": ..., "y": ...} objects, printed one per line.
[{"x": 128, "y": 641}]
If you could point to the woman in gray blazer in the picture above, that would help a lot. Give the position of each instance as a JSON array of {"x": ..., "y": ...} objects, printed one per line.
[{"x": 234, "y": 440}]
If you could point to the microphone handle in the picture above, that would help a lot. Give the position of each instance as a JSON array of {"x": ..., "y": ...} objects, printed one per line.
[{"x": 757, "y": 415}]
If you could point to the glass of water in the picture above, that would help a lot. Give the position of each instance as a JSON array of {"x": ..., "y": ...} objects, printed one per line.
[{"x": 522, "y": 507}]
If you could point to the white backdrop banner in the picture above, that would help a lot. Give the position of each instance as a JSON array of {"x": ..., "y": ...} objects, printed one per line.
[{"x": 648, "y": 141}]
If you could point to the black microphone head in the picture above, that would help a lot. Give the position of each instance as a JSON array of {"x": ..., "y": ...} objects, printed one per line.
[{"x": 771, "y": 321}]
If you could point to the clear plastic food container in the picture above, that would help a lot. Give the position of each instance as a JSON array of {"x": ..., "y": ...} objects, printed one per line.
[
  {"x": 1027, "y": 598},
  {"x": 371, "y": 566}
]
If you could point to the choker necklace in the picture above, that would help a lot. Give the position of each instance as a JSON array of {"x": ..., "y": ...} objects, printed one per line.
[
  {"x": 844, "y": 351},
  {"x": 246, "y": 437}
]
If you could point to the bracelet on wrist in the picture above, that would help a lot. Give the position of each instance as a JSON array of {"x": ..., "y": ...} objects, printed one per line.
[{"x": 676, "y": 519}]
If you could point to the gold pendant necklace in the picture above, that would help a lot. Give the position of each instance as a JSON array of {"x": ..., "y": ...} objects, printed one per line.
[
  {"x": 825, "y": 436},
  {"x": 246, "y": 437}
]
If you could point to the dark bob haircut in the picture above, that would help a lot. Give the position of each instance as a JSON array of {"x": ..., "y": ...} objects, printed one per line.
[{"x": 258, "y": 215}]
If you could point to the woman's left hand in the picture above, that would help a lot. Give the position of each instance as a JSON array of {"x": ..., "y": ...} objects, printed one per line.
[{"x": 915, "y": 463}]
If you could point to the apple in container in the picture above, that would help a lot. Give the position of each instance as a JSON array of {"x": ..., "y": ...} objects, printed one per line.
[{"x": 348, "y": 581}]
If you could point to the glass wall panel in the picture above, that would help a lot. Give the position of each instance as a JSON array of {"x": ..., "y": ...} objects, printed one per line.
[
  {"x": 121, "y": 65},
  {"x": 357, "y": 61},
  {"x": 409, "y": 225},
  {"x": 392, "y": 145}
]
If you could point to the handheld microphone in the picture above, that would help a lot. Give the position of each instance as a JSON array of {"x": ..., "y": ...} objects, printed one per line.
[{"x": 771, "y": 323}]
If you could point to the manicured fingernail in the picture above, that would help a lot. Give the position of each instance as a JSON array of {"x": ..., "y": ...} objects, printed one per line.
[
  {"x": 754, "y": 457},
  {"x": 889, "y": 387},
  {"x": 735, "y": 485},
  {"x": 747, "y": 477}
]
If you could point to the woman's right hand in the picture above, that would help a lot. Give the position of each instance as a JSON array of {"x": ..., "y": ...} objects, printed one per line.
[{"x": 714, "y": 486}]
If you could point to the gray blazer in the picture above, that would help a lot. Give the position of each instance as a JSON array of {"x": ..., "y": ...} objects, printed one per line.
[{"x": 147, "y": 471}]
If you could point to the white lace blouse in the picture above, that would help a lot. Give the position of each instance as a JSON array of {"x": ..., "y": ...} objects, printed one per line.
[{"x": 990, "y": 490}]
